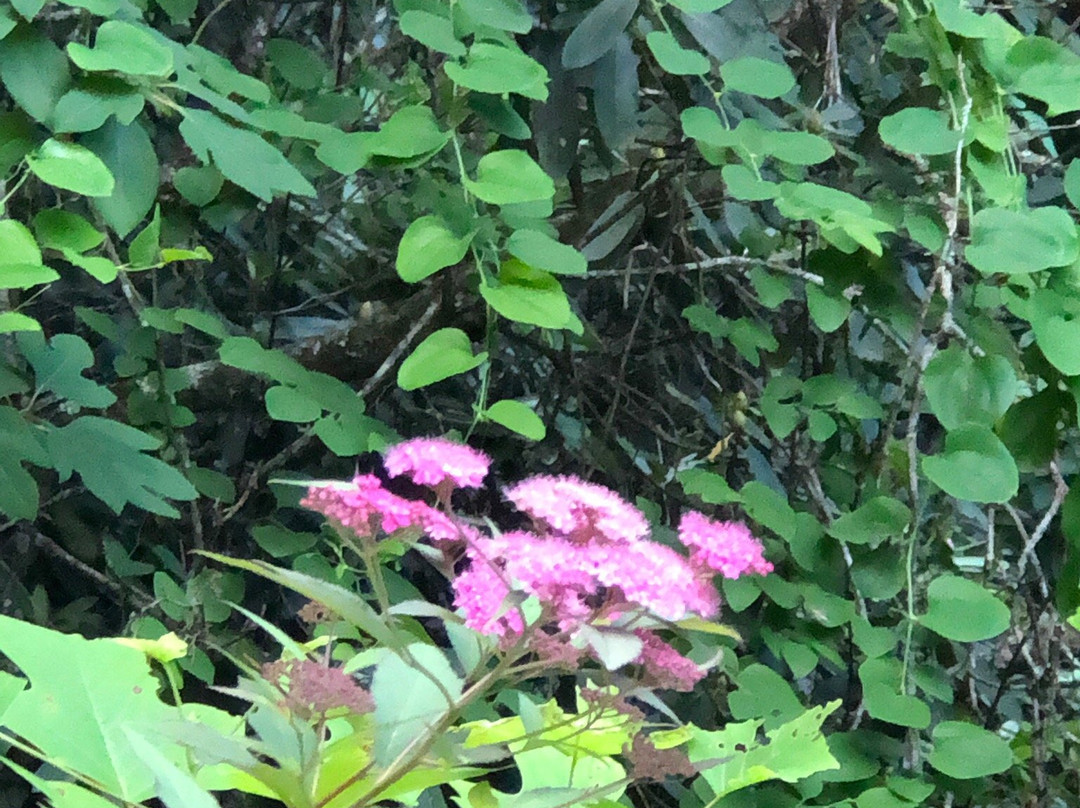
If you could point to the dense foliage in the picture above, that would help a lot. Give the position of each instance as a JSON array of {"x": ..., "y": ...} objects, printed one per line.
[{"x": 811, "y": 265}]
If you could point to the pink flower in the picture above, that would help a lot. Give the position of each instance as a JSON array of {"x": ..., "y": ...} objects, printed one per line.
[
  {"x": 654, "y": 577},
  {"x": 725, "y": 547},
  {"x": 436, "y": 461},
  {"x": 579, "y": 510},
  {"x": 480, "y": 593},
  {"x": 667, "y": 667},
  {"x": 362, "y": 505}
]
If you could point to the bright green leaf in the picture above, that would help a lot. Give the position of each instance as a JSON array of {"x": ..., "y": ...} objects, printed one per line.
[
  {"x": 124, "y": 48},
  {"x": 517, "y": 417},
  {"x": 966, "y": 751},
  {"x": 760, "y": 77},
  {"x": 443, "y": 354},
  {"x": 949, "y": 596},
  {"x": 528, "y": 295},
  {"x": 1022, "y": 241},
  {"x": 71, "y": 167},
  {"x": 673, "y": 57},
  {"x": 427, "y": 246},
  {"x": 974, "y": 466},
  {"x": 541, "y": 251},
  {"x": 432, "y": 31},
  {"x": 962, "y": 388},
  {"x": 917, "y": 130}
]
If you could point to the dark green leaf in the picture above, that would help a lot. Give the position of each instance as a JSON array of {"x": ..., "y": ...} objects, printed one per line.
[
  {"x": 597, "y": 33},
  {"x": 34, "y": 71},
  {"x": 963, "y": 388},
  {"x": 298, "y": 65},
  {"x": 130, "y": 157}
]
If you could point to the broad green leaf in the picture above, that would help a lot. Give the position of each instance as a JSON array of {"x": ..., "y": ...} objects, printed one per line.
[
  {"x": 616, "y": 93},
  {"x": 517, "y": 417},
  {"x": 443, "y": 354},
  {"x": 829, "y": 311},
  {"x": 432, "y": 31},
  {"x": 597, "y": 33},
  {"x": 410, "y": 132},
  {"x": 61, "y": 229},
  {"x": 28, "y": 8},
  {"x": 87, "y": 107},
  {"x": 130, "y": 157},
  {"x": 957, "y": 17},
  {"x": 427, "y": 246},
  {"x": 881, "y": 681},
  {"x": 242, "y": 156},
  {"x": 71, "y": 167},
  {"x": 918, "y": 130},
  {"x": 768, "y": 507},
  {"x": 760, "y": 77},
  {"x": 673, "y": 57},
  {"x": 34, "y": 71},
  {"x": 1055, "y": 319},
  {"x": 872, "y": 522},
  {"x": 412, "y": 694},
  {"x": 491, "y": 68},
  {"x": 59, "y": 365},
  {"x": 78, "y": 712},
  {"x": 508, "y": 177},
  {"x": 797, "y": 148},
  {"x": 1072, "y": 183},
  {"x": 246, "y": 354},
  {"x": 199, "y": 185},
  {"x": 1022, "y": 241},
  {"x": 98, "y": 267},
  {"x": 763, "y": 693},
  {"x": 23, "y": 276},
  {"x": 109, "y": 457},
  {"x": 528, "y": 295},
  {"x": 963, "y": 388},
  {"x": 298, "y": 65},
  {"x": 974, "y": 466},
  {"x": 17, "y": 244},
  {"x": 14, "y": 321},
  {"x": 949, "y": 596},
  {"x": 711, "y": 487},
  {"x": 1044, "y": 69},
  {"x": 280, "y": 542},
  {"x": 793, "y": 751},
  {"x": 541, "y": 251},
  {"x": 966, "y": 752},
  {"x": 291, "y": 404},
  {"x": 179, "y": 11},
  {"x": 506, "y": 15},
  {"x": 175, "y": 787},
  {"x": 741, "y": 183},
  {"x": 123, "y": 48}
]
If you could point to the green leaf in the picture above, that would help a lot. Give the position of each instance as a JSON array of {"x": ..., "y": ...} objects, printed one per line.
[
  {"x": 242, "y": 156},
  {"x": 124, "y": 48},
  {"x": 966, "y": 752},
  {"x": 760, "y": 77},
  {"x": 61, "y": 229},
  {"x": 109, "y": 456},
  {"x": 878, "y": 519},
  {"x": 410, "y": 132},
  {"x": 411, "y": 697},
  {"x": 1041, "y": 68},
  {"x": 597, "y": 33},
  {"x": 881, "y": 681},
  {"x": 797, "y": 148},
  {"x": 1022, "y": 241},
  {"x": 23, "y": 276},
  {"x": 28, "y": 8},
  {"x": 19, "y": 443},
  {"x": 673, "y": 57},
  {"x": 948, "y": 596},
  {"x": 89, "y": 105},
  {"x": 963, "y": 388},
  {"x": 199, "y": 185},
  {"x": 34, "y": 71},
  {"x": 71, "y": 167},
  {"x": 741, "y": 183},
  {"x": 78, "y": 711},
  {"x": 145, "y": 249},
  {"x": 974, "y": 466},
  {"x": 179, "y": 11},
  {"x": 508, "y": 177},
  {"x": 13, "y": 321},
  {"x": 699, "y": 6},
  {"x": 1055, "y": 319},
  {"x": 345, "y": 604},
  {"x": 280, "y": 542},
  {"x": 829, "y": 311},
  {"x": 246, "y": 354},
  {"x": 17, "y": 245},
  {"x": 709, "y": 486},
  {"x": 432, "y": 31},
  {"x": 443, "y": 354},
  {"x": 498, "y": 69},
  {"x": 737, "y": 759},
  {"x": 528, "y": 295},
  {"x": 541, "y": 251},
  {"x": 427, "y": 246},
  {"x": 917, "y": 130},
  {"x": 58, "y": 367},
  {"x": 129, "y": 155},
  {"x": 175, "y": 787},
  {"x": 517, "y": 417},
  {"x": 769, "y": 508},
  {"x": 506, "y": 15},
  {"x": 1072, "y": 183},
  {"x": 299, "y": 66},
  {"x": 292, "y": 405}
]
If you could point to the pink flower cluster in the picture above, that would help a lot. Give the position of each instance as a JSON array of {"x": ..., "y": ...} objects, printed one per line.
[{"x": 588, "y": 559}]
